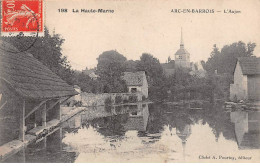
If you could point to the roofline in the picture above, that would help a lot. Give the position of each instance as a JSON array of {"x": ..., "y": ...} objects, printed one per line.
[
  {"x": 10, "y": 85},
  {"x": 25, "y": 96},
  {"x": 236, "y": 67},
  {"x": 238, "y": 60},
  {"x": 181, "y": 54}
]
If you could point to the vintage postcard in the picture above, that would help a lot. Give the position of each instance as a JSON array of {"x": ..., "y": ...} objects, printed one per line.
[{"x": 130, "y": 81}]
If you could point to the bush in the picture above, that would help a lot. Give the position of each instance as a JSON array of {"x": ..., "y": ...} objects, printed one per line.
[
  {"x": 118, "y": 99},
  {"x": 133, "y": 99}
]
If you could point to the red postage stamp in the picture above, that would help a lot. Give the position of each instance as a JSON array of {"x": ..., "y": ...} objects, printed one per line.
[{"x": 22, "y": 17}]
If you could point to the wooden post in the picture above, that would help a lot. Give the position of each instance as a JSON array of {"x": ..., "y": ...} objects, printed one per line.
[
  {"x": 45, "y": 142},
  {"x": 44, "y": 115},
  {"x": 58, "y": 111},
  {"x": 22, "y": 123},
  {"x": 60, "y": 138}
]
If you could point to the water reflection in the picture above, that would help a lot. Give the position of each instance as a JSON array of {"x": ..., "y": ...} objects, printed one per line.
[
  {"x": 149, "y": 133},
  {"x": 48, "y": 149},
  {"x": 247, "y": 129}
]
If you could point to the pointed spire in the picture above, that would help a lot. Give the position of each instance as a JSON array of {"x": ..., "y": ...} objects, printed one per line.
[{"x": 182, "y": 44}]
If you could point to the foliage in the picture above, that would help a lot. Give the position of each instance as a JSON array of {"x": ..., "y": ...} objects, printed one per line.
[
  {"x": 86, "y": 83},
  {"x": 152, "y": 68},
  {"x": 110, "y": 68},
  {"x": 154, "y": 75},
  {"x": 47, "y": 50},
  {"x": 224, "y": 61},
  {"x": 130, "y": 66}
]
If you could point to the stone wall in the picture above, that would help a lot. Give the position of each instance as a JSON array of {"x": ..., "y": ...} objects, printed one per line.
[{"x": 90, "y": 99}]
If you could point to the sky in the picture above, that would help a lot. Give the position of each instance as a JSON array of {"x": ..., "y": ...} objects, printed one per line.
[{"x": 149, "y": 26}]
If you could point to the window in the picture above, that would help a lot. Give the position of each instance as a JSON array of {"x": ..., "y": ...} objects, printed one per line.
[
  {"x": 133, "y": 90},
  {"x": 134, "y": 113}
]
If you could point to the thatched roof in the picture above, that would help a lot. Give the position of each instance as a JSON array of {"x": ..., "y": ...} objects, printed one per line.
[
  {"x": 29, "y": 77},
  {"x": 134, "y": 79},
  {"x": 249, "y": 65}
]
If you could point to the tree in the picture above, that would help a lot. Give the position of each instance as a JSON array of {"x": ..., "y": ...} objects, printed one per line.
[
  {"x": 130, "y": 66},
  {"x": 110, "y": 68},
  {"x": 152, "y": 68},
  {"x": 155, "y": 77},
  {"x": 224, "y": 61},
  {"x": 86, "y": 83},
  {"x": 47, "y": 50}
]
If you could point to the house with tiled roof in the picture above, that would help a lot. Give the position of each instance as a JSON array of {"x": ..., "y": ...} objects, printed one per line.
[
  {"x": 30, "y": 94},
  {"x": 246, "y": 84},
  {"x": 136, "y": 82}
]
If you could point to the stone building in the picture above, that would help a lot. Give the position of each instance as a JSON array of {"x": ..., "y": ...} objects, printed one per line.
[
  {"x": 136, "y": 82},
  {"x": 246, "y": 84}
]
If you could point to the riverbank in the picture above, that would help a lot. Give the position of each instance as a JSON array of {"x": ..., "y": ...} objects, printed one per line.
[{"x": 244, "y": 106}]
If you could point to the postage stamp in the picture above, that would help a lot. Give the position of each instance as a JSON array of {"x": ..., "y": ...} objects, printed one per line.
[{"x": 22, "y": 17}]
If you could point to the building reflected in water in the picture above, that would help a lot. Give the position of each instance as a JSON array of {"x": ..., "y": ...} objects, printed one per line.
[
  {"x": 129, "y": 131},
  {"x": 138, "y": 119},
  {"x": 247, "y": 129}
]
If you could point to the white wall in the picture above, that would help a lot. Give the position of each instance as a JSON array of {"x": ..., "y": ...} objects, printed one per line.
[
  {"x": 143, "y": 89},
  {"x": 239, "y": 88}
]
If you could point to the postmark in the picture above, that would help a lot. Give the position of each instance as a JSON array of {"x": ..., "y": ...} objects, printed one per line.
[{"x": 22, "y": 17}]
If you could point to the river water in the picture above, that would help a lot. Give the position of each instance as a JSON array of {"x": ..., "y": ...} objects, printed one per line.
[{"x": 152, "y": 133}]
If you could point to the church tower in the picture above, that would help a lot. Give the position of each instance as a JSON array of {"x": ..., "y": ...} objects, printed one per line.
[{"x": 182, "y": 56}]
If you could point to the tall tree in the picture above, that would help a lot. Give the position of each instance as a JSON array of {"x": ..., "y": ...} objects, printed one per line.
[
  {"x": 224, "y": 61},
  {"x": 152, "y": 68},
  {"x": 110, "y": 68},
  {"x": 130, "y": 66},
  {"x": 155, "y": 77}
]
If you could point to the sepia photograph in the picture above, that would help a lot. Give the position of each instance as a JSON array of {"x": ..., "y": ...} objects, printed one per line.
[{"x": 130, "y": 81}]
